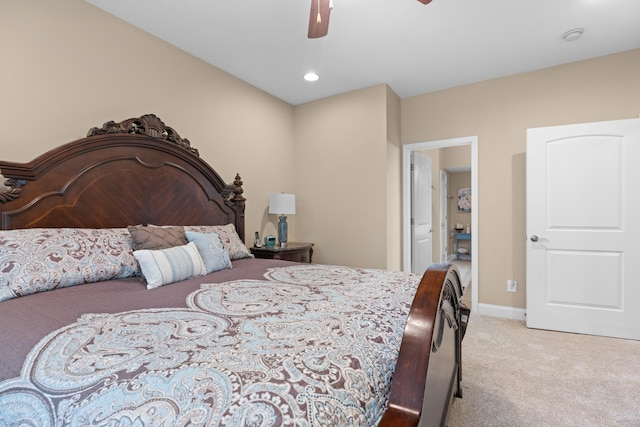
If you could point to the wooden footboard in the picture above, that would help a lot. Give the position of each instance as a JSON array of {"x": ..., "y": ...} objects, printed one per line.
[{"x": 427, "y": 374}]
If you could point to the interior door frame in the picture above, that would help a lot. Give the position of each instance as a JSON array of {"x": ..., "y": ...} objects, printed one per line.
[
  {"x": 443, "y": 247},
  {"x": 406, "y": 203}
]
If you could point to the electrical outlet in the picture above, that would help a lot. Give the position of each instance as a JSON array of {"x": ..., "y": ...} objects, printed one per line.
[{"x": 511, "y": 285}]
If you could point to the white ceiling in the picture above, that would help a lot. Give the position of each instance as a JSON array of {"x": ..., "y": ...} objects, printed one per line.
[{"x": 414, "y": 48}]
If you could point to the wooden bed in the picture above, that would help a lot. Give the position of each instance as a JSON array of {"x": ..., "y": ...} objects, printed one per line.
[{"x": 140, "y": 171}]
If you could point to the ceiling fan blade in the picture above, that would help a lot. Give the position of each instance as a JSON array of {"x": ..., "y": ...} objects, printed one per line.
[
  {"x": 319, "y": 18},
  {"x": 425, "y": 1}
]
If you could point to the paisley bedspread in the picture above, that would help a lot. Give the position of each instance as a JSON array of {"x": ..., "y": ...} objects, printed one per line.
[{"x": 305, "y": 345}]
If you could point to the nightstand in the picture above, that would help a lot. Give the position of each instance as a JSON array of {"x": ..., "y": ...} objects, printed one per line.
[{"x": 298, "y": 252}]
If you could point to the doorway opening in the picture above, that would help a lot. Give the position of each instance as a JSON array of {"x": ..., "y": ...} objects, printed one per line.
[{"x": 407, "y": 149}]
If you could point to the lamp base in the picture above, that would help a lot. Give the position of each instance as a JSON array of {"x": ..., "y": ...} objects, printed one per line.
[{"x": 283, "y": 231}]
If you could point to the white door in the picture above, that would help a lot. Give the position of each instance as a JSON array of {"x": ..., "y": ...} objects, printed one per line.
[
  {"x": 583, "y": 228},
  {"x": 421, "y": 225},
  {"x": 444, "y": 221}
]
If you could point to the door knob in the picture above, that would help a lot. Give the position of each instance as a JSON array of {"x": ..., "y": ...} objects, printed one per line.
[{"x": 534, "y": 238}]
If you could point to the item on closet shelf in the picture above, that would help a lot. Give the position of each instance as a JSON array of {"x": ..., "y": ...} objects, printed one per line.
[
  {"x": 463, "y": 251},
  {"x": 468, "y": 230}
]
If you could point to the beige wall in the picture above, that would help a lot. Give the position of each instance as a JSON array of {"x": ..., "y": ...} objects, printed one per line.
[
  {"x": 456, "y": 158},
  {"x": 394, "y": 183},
  {"x": 76, "y": 67},
  {"x": 499, "y": 112},
  {"x": 342, "y": 153},
  {"x": 68, "y": 66}
]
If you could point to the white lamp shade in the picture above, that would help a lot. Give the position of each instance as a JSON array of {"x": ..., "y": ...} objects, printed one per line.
[{"x": 282, "y": 204}]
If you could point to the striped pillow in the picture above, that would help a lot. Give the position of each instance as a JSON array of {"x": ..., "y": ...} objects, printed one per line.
[{"x": 164, "y": 266}]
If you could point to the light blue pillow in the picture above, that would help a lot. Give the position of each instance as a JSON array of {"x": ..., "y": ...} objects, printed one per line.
[
  {"x": 213, "y": 254},
  {"x": 164, "y": 266}
]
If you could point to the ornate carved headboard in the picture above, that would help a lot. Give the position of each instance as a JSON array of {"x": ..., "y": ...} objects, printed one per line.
[{"x": 138, "y": 171}]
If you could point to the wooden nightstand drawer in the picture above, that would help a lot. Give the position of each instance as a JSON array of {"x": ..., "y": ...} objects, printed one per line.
[{"x": 297, "y": 252}]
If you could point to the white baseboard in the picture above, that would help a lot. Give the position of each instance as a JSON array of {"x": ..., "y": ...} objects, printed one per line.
[{"x": 502, "y": 311}]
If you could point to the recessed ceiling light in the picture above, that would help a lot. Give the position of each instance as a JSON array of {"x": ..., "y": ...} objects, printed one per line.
[
  {"x": 572, "y": 35},
  {"x": 311, "y": 77}
]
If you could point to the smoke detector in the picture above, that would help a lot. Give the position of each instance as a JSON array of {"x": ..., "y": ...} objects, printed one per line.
[{"x": 572, "y": 35}]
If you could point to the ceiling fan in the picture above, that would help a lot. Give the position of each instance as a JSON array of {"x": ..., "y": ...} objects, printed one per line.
[{"x": 319, "y": 17}]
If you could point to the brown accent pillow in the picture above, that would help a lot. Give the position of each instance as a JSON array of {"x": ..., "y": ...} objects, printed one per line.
[{"x": 153, "y": 238}]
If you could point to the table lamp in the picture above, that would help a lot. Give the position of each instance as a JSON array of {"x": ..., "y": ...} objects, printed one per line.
[{"x": 282, "y": 204}]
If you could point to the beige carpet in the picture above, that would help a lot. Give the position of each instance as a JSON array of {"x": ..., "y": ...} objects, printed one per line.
[{"x": 515, "y": 376}]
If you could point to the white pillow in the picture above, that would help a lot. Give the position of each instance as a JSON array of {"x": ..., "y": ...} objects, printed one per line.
[
  {"x": 164, "y": 266},
  {"x": 210, "y": 248}
]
